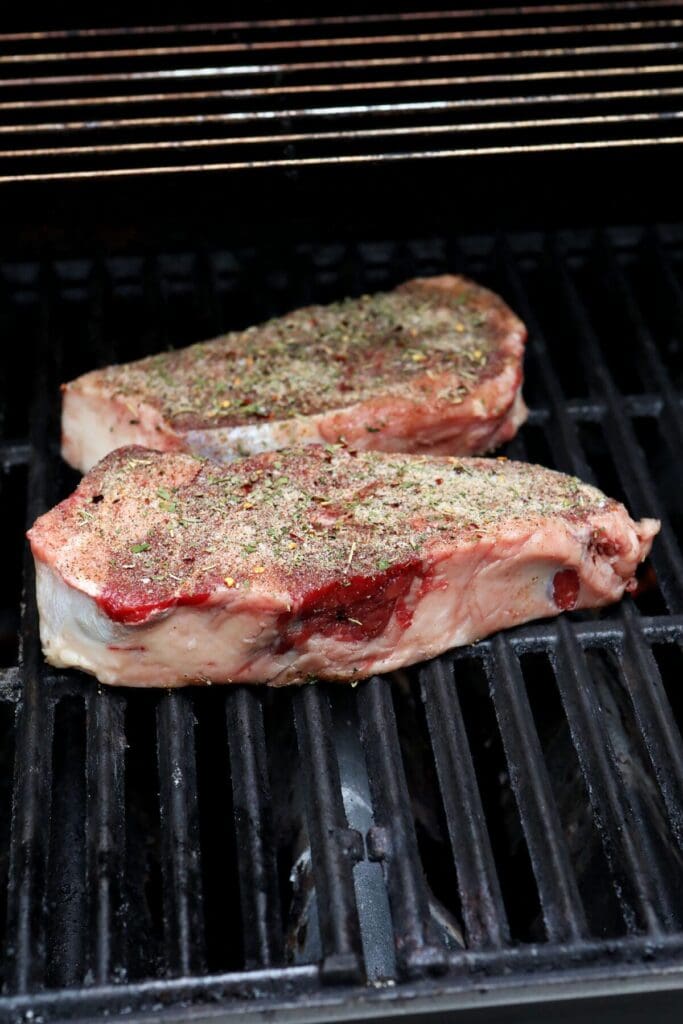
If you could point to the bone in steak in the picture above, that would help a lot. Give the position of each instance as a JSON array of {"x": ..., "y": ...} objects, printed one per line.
[
  {"x": 167, "y": 569},
  {"x": 433, "y": 366}
]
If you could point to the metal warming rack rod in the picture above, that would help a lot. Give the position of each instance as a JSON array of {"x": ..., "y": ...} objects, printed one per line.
[{"x": 340, "y": 90}]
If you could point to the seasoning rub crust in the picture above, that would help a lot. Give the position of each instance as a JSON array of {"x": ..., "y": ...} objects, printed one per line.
[
  {"x": 433, "y": 366},
  {"x": 167, "y": 569}
]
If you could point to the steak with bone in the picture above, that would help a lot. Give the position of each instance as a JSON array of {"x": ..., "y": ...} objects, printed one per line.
[
  {"x": 167, "y": 569},
  {"x": 433, "y": 366}
]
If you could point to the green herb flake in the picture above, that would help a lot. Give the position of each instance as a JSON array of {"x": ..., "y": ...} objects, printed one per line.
[{"x": 139, "y": 548}]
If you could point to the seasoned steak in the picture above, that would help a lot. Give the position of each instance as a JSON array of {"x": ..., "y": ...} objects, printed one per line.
[
  {"x": 433, "y": 366},
  {"x": 165, "y": 569}
]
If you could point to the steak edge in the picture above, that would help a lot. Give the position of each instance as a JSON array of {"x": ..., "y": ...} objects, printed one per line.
[
  {"x": 433, "y": 366},
  {"x": 166, "y": 569}
]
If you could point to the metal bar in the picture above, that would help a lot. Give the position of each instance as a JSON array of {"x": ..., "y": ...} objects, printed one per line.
[
  {"x": 14, "y": 453},
  {"x": 334, "y": 846},
  {"x": 66, "y": 939},
  {"x": 392, "y": 840},
  {"x": 643, "y": 893},
  {"x": 32, "y": 791},
  {"x": 100, "y": 344},
  {"x": 361, "y": 159},
  {"x": 106, "y": 746},
  {"x": 335, "y": 65},
  {"x": 255, "y": 46},
  {"x": 483, "y": 912},
  {"x": 352, "y": 19},
  {"x": 626, "y": 453},
  {"x": 339, "y": 87},
  {"x": 542, "y": 636},
  {"x": 255, "y": 842},
  {"x": 654, "y": 715},
  {"x": 180, "y": 845},
  {"x": 639, "y": 669},
  {"x": 241, "y": 117},
  {"x": 420, "y": 130},
  {"x": 667, "y": 274},
  {"x": 563, "y": 435},
  {"x": 563, "y": 913},
  {"x": 10, "y": 684},
  {"x": 671, "y": 422}
]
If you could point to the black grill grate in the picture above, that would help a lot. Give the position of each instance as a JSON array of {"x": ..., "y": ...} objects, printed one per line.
[
  {"x": 356, "y": 89},
  {"x": 523, "y": 797}
]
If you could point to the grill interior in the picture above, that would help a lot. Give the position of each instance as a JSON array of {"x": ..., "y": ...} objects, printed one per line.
[
  {"x": 513, "y": 810},
  {"x": 349, "y": 89}
]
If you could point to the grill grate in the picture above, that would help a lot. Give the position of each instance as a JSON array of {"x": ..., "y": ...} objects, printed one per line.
[
  {"x": 513, "y": 811},
  {"x": 359, "y": 89}
]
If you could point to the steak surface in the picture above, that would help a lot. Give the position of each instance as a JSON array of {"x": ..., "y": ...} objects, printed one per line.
[
  {"x": 433, "y": 366},
  {"x": 167, "y": 569}
]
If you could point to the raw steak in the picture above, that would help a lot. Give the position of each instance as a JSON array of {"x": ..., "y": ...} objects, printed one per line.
[
  {"x": 167, "y": 569},
  {"x": 433, "y": 366}
]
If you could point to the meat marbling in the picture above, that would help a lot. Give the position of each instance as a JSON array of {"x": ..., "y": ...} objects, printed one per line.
[
  {"x": 433, "y": 366},
  {"x": 167, "y": 569}
]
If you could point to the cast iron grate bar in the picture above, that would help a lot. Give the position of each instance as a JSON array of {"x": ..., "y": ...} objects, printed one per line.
[
  {"x": 32, "y": 790},
  {"x": 483, "y": 912},
  {"x": 334, "y": 846},
  {"x": 625, "y": 450},
  {"x": 640, "y": 871},
  {"x": 651, "y": 365},
  {"x": 256, "y": 862},
  {"x": 651, "y": 705},
  {"x": 643, "y": 892},
  {"x": 667, "y": 273},
  {"x": 561, "y": 906},
  {"x": 561, "y": 427},
  {"x": 179, "y": 814},
  {"x": 14, "y": 453},
  {"x": 655, "y": 716},
  {"x": 106, "y": 825},
  {"x": 392, "y": 839}
]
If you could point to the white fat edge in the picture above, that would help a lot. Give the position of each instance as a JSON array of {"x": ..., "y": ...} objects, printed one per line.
[
  {"x": 224, "y": 444},
  {"x": 180, "y": 644},
  {"x": 72, "y": 626},
  {"x": 94, "y": 424}
]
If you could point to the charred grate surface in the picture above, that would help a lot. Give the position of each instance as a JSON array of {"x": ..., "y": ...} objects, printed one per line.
[
  {"x": 513, "y": 810},
  {"x": 357, "y": 89}
]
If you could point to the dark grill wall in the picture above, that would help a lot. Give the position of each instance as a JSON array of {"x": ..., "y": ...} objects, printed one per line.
[{"x": 530, "y": 786}]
